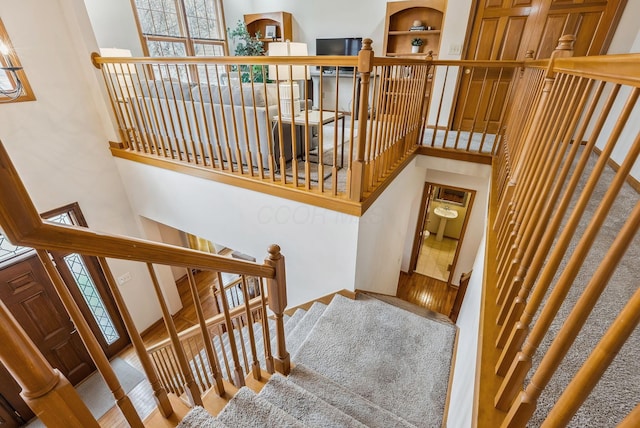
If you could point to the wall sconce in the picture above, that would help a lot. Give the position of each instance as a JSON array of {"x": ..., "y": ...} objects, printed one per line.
[{"x": 11, "y": 72}]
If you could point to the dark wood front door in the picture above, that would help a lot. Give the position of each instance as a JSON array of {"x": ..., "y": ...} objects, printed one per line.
[
  {"x": 27, "y": 291},
  {"x": 507, "y": 29}
]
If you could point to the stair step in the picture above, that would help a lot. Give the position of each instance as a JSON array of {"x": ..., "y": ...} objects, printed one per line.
[
  {"x": 246, "y": 409},
  {"x": 352, "y": 404},
  {"x": 297, "y": 336},
  {"x": 305, "y": 406},
  {"x": 407, "y": 306},
  {"x": 294, "y": 320},
  {"x": 200, "y": 418}
]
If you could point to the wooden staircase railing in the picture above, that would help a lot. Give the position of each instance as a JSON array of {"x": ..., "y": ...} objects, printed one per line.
[
  {"x": 45, "y": 390},
  {"x": 558, "y": 119}
]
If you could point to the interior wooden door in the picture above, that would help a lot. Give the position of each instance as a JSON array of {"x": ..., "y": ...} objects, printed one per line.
[{"x": 507, "y": 29}]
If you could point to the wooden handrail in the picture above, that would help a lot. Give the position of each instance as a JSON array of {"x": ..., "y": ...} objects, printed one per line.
[
  {"x": 217, "y": 319},
  {"x": 23, "y": 226}
]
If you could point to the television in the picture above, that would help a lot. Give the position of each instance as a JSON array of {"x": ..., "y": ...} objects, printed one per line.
[{"x": 339, "y": 46}]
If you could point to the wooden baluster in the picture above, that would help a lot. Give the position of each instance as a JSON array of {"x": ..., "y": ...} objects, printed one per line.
[
  {"x": 529, "y": 271},
  {"x": 539, "y": 198},
  {"x": 265, "y": 328},
  {"x": 524, "y": 406},
  {"x": 595, "y": 366},
  {"x": 516, "y": 337},
  {"x": 190, "y": 385},
  {"x": 278, "y": 303},
  {"x": 365, "y": 65},
  {"x": 238, "y": 376},
  {"x": 255, "y": 366},
  {"x": 543, "y": 228},
  {"x": 159, "y": 393},
  {"x": 47, "y": 392},
  {"x": 206, "y": 337},
  {"x": 90, "y": 341},
  {"x": 511, "y": 384},
  {"x": 632, "y": 420}
]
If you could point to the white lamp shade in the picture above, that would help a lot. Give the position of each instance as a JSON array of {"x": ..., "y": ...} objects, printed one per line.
[
  {"x": 118, "y": 53},
  {"x": 282, "y": 72}
]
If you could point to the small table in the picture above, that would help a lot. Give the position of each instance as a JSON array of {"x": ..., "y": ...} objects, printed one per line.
[{"x": 316, "y": 118}]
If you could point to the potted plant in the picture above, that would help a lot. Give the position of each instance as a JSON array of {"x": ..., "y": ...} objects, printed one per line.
[
  {"x": 415, "y": 45},
  {"x": 247, "y": 45}
]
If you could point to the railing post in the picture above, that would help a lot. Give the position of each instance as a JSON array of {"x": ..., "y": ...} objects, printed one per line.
[
  {"x": 90, "y": 342},
  {"x": 365, "y": 66},
  {"x": 159, "y": 393},
  {"x": 277, "y": 287},
  {"x": 47, "y": 392}
]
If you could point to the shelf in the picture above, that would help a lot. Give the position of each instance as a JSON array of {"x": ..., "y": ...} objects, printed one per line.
[{"x": 415, "y": 33}]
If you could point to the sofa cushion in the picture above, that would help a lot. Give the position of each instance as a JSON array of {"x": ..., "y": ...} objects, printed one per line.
[
  {"x": 169, "y": 89},
  {"x": 205, "y": 93}
]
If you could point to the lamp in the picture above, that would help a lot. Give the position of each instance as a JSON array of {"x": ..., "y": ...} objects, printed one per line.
[
  {"x": 7, "y": 89},
  {"x": 123, "y": 73},
  {"x": 287, "y": 74}
]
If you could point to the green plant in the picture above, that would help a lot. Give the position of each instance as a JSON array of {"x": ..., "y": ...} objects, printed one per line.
[
  {"x": 417, "y": 42},
  {"x": 246, "y": 45}
]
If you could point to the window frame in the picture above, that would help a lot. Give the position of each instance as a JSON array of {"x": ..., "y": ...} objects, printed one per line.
[
  {"x": 27, "y": 92},
  {"x": 188, "y": 40}
]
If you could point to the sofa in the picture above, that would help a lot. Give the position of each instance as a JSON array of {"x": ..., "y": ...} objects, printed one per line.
[{"x": 202, "y": 121}]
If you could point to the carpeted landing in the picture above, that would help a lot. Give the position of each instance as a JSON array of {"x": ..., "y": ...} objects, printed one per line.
[{"x": 357, "y": 363}]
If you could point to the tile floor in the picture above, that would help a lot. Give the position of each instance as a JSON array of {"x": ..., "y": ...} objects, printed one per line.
[{"x": 435, "y": 257}]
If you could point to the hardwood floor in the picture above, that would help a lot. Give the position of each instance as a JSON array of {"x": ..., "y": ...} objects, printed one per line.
[
  {"x": 426, "y": 292},
  {"x": 142, "y": 395}
]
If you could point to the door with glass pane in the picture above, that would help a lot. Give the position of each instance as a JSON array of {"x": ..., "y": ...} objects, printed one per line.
[{"x": 89, "y": 287}]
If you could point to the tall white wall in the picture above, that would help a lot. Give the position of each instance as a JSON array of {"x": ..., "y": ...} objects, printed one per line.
[
  {"x": 59, "y": 143},
  {"x": 114, "y": 24},
  {"x": 319, "y": 245},
  {"x": 463, "y": 388},
  {"x": 383, "y": 232}
]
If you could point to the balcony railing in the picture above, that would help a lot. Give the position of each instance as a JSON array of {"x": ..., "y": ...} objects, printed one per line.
[{"x": 341, "y": 137}]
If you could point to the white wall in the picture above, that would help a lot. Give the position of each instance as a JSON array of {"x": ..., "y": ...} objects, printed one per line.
[
  {"x": 114, "y": 24},
  {"x": 383, "y": 232},
  {"x": 339, "y": 18},
  {"x": 59, "y": 143},
  {"x": 319, "y": 245},
  {"x": 463, "y": 386}
]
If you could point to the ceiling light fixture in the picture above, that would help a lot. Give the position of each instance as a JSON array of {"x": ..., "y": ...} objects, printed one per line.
[{"x": 14, "y": 90}]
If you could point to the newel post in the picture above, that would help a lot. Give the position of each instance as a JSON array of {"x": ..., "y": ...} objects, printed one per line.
[
  {"x": 47, "y": 392},
  {"x": 365, "y": 66},
  {"x": 277, "y": 288}
]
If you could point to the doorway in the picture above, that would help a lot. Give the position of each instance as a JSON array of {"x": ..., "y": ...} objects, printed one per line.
[
  {"x": 444, "y": 214},
  {"x": 29, "y": 294},
  {"x": 506, "y": 30}
]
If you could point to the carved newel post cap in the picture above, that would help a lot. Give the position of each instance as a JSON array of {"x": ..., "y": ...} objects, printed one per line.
[
  {"x": 566, "y": 42},
  {"x": 366, "y": 44},
  {"x": 274, "y": 251}
]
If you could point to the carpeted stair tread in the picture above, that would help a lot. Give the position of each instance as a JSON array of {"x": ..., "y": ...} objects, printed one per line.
[
  {"x": 294, "y": 320},
  {"x": 198, "y": 417},
  {"x": 379, "y": 351},
  {"x": 354, "y": 405},
  {"x": 407, "y": 306},
  {"x": 298, "y": 335},
  {"x": 246, "y": 409},
  {"x": 305, "y": 406}
]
